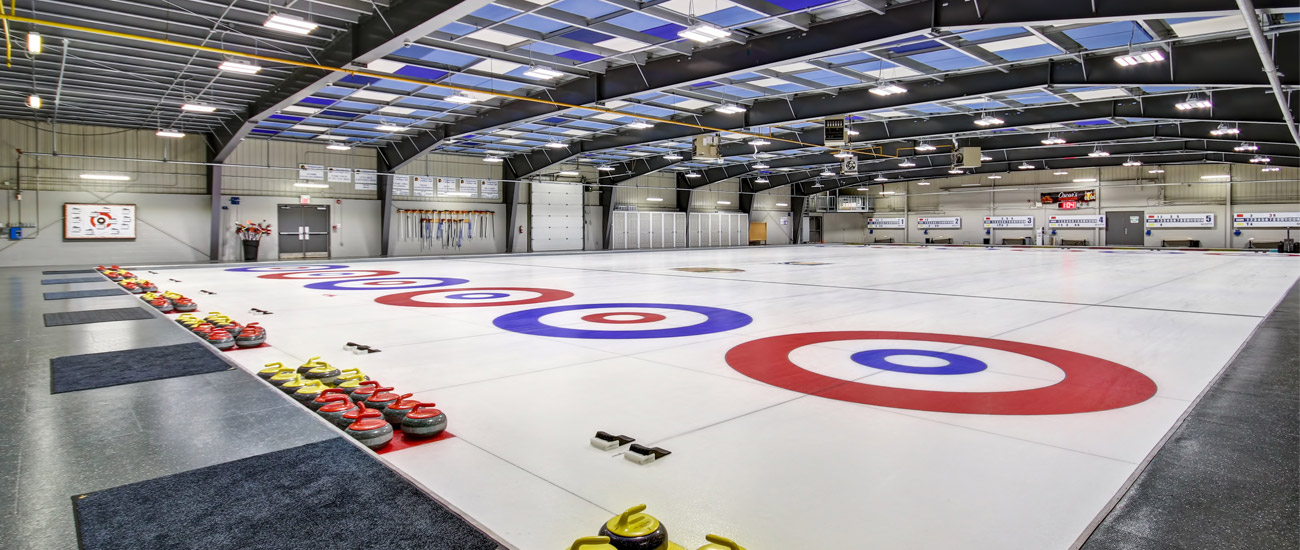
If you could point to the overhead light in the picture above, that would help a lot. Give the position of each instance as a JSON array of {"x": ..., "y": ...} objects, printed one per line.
[
  {"x": 1193, "y": 103},
  {"x": 542, "y": 73},
  {"x": 881, "y": 178},
  {"x": 198, "y": 108},
  {"x": 331, "y": 137},
  {"x": 1085, "y": 180},
  {"x": 906, "y": 164},
  {"x": 843, "y": 155},
  {"x": 556, "y": 145},
  {"x": 1132, "y": 162},
  {"x": 605, "y": 168},
  {"x": 239, "y": 67},
  {"x": 655, "y": 199},
  {"x": 782, "y": 204},
  {"x": 826, "y": 173},
  {"x": 1060, "y": 173},
  {"x": 956, "y": 170},
  {"x": 34, "y": 101},
  {"x": 1026, "y": 166},
  {"x": 989, "y": 121},
  {"x": 638, "y": 125},
  {"x": 758, "y": 142},
  {"x": 851, "y": 132},
  {"x": 461, "y": 98},
  {"x": 985, "y": 158},
  {"x": 312, "y": 185},
  {"x": 493, "y": 159},
  {"x": 289, "y": 23},
  {"x": 1053, "y": 140},
  {"x": 995, "y": 177},
  {"x": 1246, "y": 147},
  {"x": 1216, "y": 177},
  {"x": 390, "y": 128},
  {"x": 1225, "y": 130},
  {"x": 337, "y": 147},
  {"x": 33, "y": 43},
  {"x": 862, "y": 188},
  {"x": 692, "y": 175},
  {"x": 760, "y": 166},
  {"x": 925, "y": 147},
  {"x": 888, "y": 89},
  {"x": 760, "y": 180},
  {"x": 1155, "y": 171},
  {"x": 765, "y": 156},
  {"x": 1258, "y": 159},
  {"x": 105, "y": 177},
  {"x": 169, "y": 134},
  {"x": 923, "y": 183},
  {"x": 672, "y": 156},
  {"x": 703, "y": 32},
  {"x": 1098, "y": 153},
  {"x": 1270, "y": 169},
  {"x": 568, "y": 173},
  {"x": 730, "y": 109},
  {"x": 1138, "y": 58},
  {"x": 724, "y": 202}
]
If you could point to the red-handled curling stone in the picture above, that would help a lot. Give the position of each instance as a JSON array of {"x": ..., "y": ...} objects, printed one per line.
[
  {"x": 397, "y": 410},
  {"x": 370, "y": 429},
  {"x": 335, "y": 408},
  {"x": 424, "y": 421},
  {"x": 221, "y": 340},
  {"x": 382, "y": 398}
]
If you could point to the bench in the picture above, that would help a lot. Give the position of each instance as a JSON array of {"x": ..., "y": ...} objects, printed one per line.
[
  {"x": 885, "y": 240},
  {"x": 1074, "y": 242},
  {"x": 1018, "y": 241},
  {"x": 942, "y": 240},
  {"x": 1271, "y": 245},
  {"x": 1180, "y": 243}
]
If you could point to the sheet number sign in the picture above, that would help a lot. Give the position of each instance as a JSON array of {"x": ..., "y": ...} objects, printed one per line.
[
  {"x": 340, "y": 175},
  {"x": 311, "y": 172},
  {"x": 1180, "y": 220},
  {"x": 1076, "y": 221},
  {"x": 1267, "y": 219},
  {"x": 1002, "y": 222},
  {"x": 365, "y": 180},
  {"x": 446, "y": 186},
  {"x": 886, "y": 223},
  {"x": 468, "y": 188},
  {"x": 490, "y": 189},
  {"x": 423, "y": 186},
  {"x": 939, "y": 223},
  {"x": 401, "y": 185}
]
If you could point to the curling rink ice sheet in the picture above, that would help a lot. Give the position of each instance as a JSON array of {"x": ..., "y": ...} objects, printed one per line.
[{"x": 890, "y": 397}]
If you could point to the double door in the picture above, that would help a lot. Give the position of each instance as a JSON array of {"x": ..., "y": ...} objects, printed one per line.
[
  {"x": 304, "y": 231},
  {"x": 1125, "y": 228}
]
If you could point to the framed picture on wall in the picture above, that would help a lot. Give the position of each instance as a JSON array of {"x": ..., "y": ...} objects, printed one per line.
[{"x": 98, "y": 222}]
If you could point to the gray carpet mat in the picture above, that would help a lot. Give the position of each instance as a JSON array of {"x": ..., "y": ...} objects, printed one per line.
[
  {"x": 68, "y": 271},
  {"x": 323, "y": 495},
  {"x": 84, "y": 293},
  {"x": 96, "y": 316},
  {"x": 75, "y": 280},
  {"x": 114, "y": 368}
]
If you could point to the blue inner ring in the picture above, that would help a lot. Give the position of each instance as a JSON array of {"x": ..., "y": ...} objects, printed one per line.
[
  {"x": 478, "y": 296},
  {"x": 957, "y": 364}
]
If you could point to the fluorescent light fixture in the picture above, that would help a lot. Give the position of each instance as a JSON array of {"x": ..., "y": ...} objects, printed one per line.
[
  {"x": 672, "y": 156},
  {"x": 782, "y": 204},
  {"x": 390, "y": 128},
  {"x": 1132, "y": 162},
  {"x": 605, "y": 168},
  {"x": 923, "y": 183},
  {"x": 312, "y": 185},
  {"x": 1258, "y": 159},
  {"x": 105, "y": 177},
  {"x": 924, "y": 147},
  {"x": 34, "y": 101},
  {"x": 239, "y": 67},
  {"x": 989, "y": 121},
  {"x": 1225, "y": 130},
  {"x": 986, "y": 158},
  {"x": 638, "y": 125},
  {"x": 1138, "y": 58},
  {"x": 889, "y": 192},
  {"x": 1270, "y": 169},
  {"x": 1085, "y": 180},
  {"x": 655, "y": 199},
  {"x": 493, "y": 159},
  {"x": 463, "y": 99},
  {"x": 1216, "y": 177},
  {"x": 995, "y": 177},
  {"x": 843, "y": 155},
  {"x": 567, "y": 173},
  {"x": 906, "y": 164},
  {"x": 758, "y": 142},
  {"x": 956, "y": 170},
  {"x": 557, "y": 145},
  {"x": 826, "y": 173},
  {"x": 542, "y": 73},
  {"x": 888, "y": 89},
  {"x": 1193, "y": 103},
  {"x": 761, "y": 180},
  {"x": 169, "y": 134},
  {"x": 337, "y": 147},
  {"x": 760, "y": 166},
  {"x": 1053, "y": 140},
  {"x": 852, "y": 132},
  {"x": 862, "y": 189},
  {"x": 1246, "y": 147},
  {"x": 692, "y": 175},
  {"x": 1060, "y": 173},
  {"x": 730, "y": 109},
  {"x": 703, "y": 33},
  {"x": 881, "y": 178},
  {"x": 33, "y": 43},
  {"x": 198, "y": 108},
  {"x": 1026, "y": 166},
  {"x": 724, "y": 202},
  {"x": 289, "y": 23},
  {"x": 1098, "y": 153},
  {"x": 1155, "y": 171},
  {"x": 764, "y": 156}
]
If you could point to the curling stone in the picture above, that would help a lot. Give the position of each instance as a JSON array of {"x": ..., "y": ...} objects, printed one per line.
[
  {"x": 720, "y": 543},
  {"x": 294, "y": 385},
  {"x": 310, "y": 364},
  {"x": 148, "y": 286},
  {"x": 397, "y": 410},
  {"x": 185, "y": 304},
  {"x": 592, "y": 543},
  {"x": 270, "y": 370},
  {"x": 381, "y": 398},
  {"x": 334, "y": 409},
  {"x": 309, "y": 391},
  {"x": 286, "y": 375},
  {"x": 350, "y": 375},
  {"x": 150, "y": 296},
  {"x": 351, "y": 416},
  {"x": 325, "y": 397},
  {"x": 114, "y": 275},
  {"x": 133, "y": 288},
  {"x": 370, "y": 429},
  {"x": 364, "y": 390},
  {"x": 203, "y": 329},
  {"x": 221, "y": 340},
  {"x": 424, "y": 421},
  {"x": 185, "y": 318},
  {"x": 326, "y": 373},
  {"x": 162, "y": 304},
  {"x": 635, "y": 530},
  {"x": 251, "y": 337}
]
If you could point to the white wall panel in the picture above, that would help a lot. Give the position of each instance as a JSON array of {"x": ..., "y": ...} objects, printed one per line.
[
  {"x": 556, "y": 219},
  {"x": 634, "y": 230}
]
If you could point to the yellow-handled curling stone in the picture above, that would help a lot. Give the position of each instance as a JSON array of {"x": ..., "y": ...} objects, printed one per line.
[
  {"x": 636, "y": 530},
  {"x": 592, "y": 543},
  {"x": 720, "y": 543}
]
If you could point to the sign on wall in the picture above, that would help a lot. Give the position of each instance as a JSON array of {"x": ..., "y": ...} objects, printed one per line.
[
  {"x": 1068, "y": 196},
  {"x": 1180, "y": 220},
  {"x": 446, "y": 186},
  {"x": 468, "y": 188},
  {"x": 1007, "y": 222},
  {"x": 490, "y": 189},
  {"x": 886, "y": 223},
  {"x": 340, "y": 175},
  {"x": 365, "y": 180},
  {"x": 423, "y": 186},
  {"x": 939, "y": 223},
  {"x": 99, "y": 221},
  {"x": 1267, "y": 219},
  {"x": 311, "y": 172},
  {"x": 1076, "y": 221},
  {"x": 401, "y": 185}
]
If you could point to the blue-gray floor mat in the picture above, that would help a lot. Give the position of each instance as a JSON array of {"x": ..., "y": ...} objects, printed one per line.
[
  {"x": 323, "y": 495},
  {"x": 75, "y": 280},
  {"x": 114, "y": 368},
  {"x": 67, "y": 271},
  {"x": 96, "y": 316},
  {"x": 84, "y": 293}
]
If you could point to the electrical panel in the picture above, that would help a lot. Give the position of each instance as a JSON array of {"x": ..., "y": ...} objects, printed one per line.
[
  {"x": 706, "y": 146},
  {"x": 836, "y": 132}
]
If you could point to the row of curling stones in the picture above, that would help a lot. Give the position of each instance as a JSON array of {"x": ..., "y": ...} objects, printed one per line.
[
  {"x": 223, "y": 332},
  {"x": 114, "y": 273},
  {"x": 637, "y": 530},
  {"x": 168, "y": 302},
  {"x": 348, "y": 397},
  {"x": 137, "y": 286}
]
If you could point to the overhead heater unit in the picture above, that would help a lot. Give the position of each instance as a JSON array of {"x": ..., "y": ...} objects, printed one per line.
[
  {"x": 968, "y": 157},
  {"x": 706, "y": 146},
  {"x": 836, "y": 134}
]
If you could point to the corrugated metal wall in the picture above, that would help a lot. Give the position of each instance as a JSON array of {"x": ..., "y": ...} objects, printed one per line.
[{"x": 62, "y": 173}]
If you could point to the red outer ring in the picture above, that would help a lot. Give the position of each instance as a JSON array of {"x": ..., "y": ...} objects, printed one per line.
[
  {"x": 1090, "y": 385},
  {"x": 605, "y": 318},
  {"x": 289, "y": 274},
  {"x": 407, "y": 299}
]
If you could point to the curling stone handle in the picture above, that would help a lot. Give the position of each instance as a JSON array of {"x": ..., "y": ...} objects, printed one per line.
[
  {"x": 577, "y": 544},
  {"x": 622, "y": 518},
  {"x": 724, "y": 541},
  {"x": 278, "y": 365}
]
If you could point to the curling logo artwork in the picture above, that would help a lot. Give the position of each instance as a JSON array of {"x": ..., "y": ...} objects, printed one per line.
[{"x": 1091, "y": 384}]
